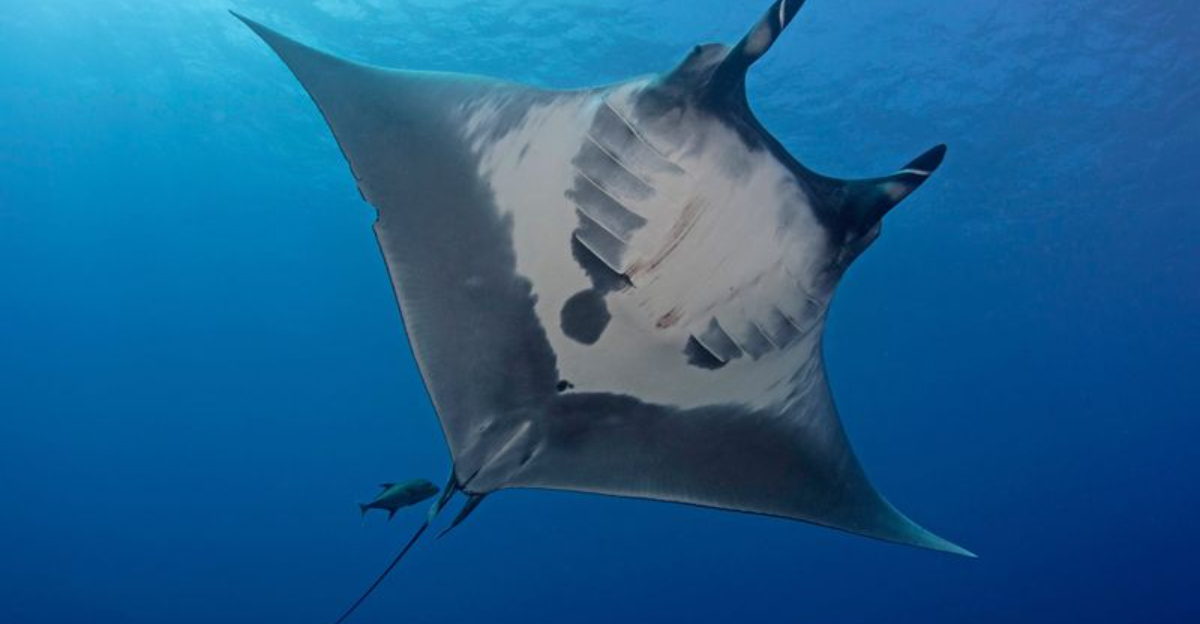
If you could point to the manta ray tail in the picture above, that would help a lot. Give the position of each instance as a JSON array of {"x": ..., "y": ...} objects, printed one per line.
[{"x": 396, "y": 560}]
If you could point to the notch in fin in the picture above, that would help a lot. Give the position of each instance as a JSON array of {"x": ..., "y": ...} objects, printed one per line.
[
  {"x": 473, "y": 501},
  {"x": 864, "y": 202}
]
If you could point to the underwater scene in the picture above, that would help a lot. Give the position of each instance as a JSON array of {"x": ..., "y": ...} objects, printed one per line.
[{"x": 605, "y": 311}]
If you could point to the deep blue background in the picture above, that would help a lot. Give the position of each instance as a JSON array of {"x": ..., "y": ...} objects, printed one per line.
[{"x": 201, "y": 365}]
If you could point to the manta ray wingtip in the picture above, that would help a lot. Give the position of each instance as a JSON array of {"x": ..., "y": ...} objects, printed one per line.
[
  {"x": 898, "y": 527},
  {"x": 291, "y": 51},
  {"x": 255, "y": 26},
  {"x": 940, "y": 544},
  {"x": 955, "y": 549},
  {"x": 272, "y": 37}
]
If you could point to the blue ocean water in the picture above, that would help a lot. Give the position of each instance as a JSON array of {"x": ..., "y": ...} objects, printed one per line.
[{"x": 202, "y": 369}]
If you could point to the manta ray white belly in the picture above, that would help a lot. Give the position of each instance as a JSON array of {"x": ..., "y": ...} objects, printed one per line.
[{"x": 690, "y": 270}]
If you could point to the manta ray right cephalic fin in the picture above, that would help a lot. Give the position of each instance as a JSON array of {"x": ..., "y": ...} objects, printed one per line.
[{"x": 865, "y": 202}]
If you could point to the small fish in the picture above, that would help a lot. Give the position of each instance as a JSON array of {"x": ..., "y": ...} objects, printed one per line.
[{"x": 397, "y": 495}]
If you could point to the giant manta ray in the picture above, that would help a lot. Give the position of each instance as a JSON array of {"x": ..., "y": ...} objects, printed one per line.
[{"x": 619, "y": 290}]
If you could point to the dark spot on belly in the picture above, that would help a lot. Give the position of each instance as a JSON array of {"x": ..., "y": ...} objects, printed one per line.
[
  {"x": 564, "y": 385},
  {"x": 698, "y": 356},
  {"x": 584, "y": 316}
]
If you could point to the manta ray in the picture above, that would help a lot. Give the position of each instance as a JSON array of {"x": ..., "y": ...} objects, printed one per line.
[{"x": 618, "y": 290}]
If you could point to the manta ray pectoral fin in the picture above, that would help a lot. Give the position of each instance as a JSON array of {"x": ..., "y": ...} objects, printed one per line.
[
  {"x": 790, "y": 462},
  {"x": 334, "y": 84},
  {"x": 865, "y": 202},
  {"x": 390, "y": 124}
]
